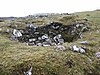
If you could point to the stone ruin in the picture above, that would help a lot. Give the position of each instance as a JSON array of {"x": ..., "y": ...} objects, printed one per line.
[{"x": 52, "y": 34}]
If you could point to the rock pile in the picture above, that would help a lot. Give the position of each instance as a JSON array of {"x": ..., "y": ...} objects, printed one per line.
[
  {"x": 52, "y": 34},
  {"x": 78, "y": 49},
  {"x": 84, "y": 43}
]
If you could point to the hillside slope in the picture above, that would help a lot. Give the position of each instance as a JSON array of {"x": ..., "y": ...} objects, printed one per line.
[{"x": 17, "y": 58}]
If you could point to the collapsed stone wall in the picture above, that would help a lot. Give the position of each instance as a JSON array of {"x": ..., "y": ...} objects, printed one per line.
[{"x": 53, "y": 33}]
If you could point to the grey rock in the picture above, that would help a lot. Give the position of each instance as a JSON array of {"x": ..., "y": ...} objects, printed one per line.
[
  {"x": 77, "y": 49},
  {"x": 13, "y": 38},
  {"x": 30, "y": 25},
  {"x": 45, "y": 36},
  {"x": 46, "y": 44},
  {"x": 58, "y": 39},
  {"x": 17, "y": 33},
  {"x": 97, "y": 54},
  {"x": 32, "y": 40},
  {"x": 36, "y": 33},
  {"x": 31, "y": 44},
  {"x": 81, "y": 50},
  {"x": 54, "y": 32},
  {"x": 39, "y": 44}
]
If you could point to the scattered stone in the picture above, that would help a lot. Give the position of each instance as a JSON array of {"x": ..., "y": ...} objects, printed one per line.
[
  {"x": 81, "y": 35},
  {"x": 31, "y": 44},
  {"x": 45, "y": 36},
  {"x": 21, "y": 31},
  {"x": 17, "y": 33},
  {"x": 30, "y": 25},
  {"x": 32, "y": 40},
  {"x": 36, "y": 33},
  {"x": 84, "y": 42},
  {"x": 98, "y": 54},
  {"x": 13, "y": 38},
  {"x": 39, "y": 44},
  {"x": 77, "y": 49},
  {"x": 58, "y": 39}
]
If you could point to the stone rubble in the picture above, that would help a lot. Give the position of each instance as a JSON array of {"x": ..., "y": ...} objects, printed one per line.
[
  {"x": 17, "y": 33},
  {"x": 84, "y": 42},
  {"x": 49, "y": 34},
  {"x": 77, "y": 49}
]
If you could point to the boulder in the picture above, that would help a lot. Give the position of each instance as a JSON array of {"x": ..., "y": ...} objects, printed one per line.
[
  {"x": 84, "y": 42},
  {"x": 17, "y": 33},
  {"x": 81, "y": 50},
  {"x": 75, "y": 48}
]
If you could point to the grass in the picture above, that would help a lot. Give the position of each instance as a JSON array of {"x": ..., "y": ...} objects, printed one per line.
[{"x": 16, "y": 58}]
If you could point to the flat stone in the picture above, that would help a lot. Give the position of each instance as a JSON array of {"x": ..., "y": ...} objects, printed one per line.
[
  {"x": 75, "y": 48},
  {"x": 46, "y": 44},
  {"x": 84, "y": 42}
]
